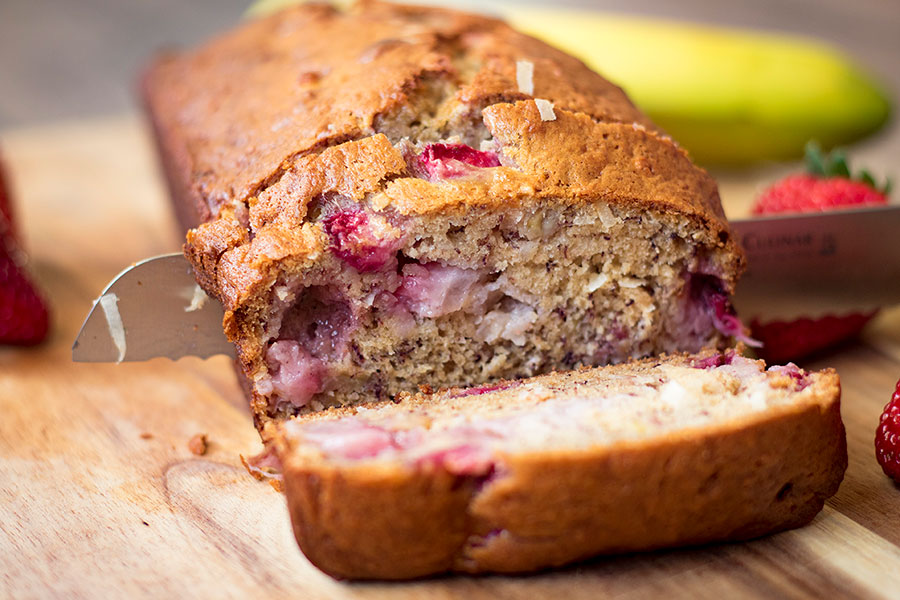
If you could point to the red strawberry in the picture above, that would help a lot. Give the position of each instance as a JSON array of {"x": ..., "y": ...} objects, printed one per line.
[
  {"x": 809, "y": 193},
  {"x": 786, "y": 341},
  {"x": 887, "y": 437},
  {"x": 827, "y": 186},
  {"x": 5, "y": 202},
  {"x": 23, "y": 315},
  {"x": 445, "y": 161}
]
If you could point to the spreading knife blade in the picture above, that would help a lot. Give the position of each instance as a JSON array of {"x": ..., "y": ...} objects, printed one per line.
[{"x": 163, "y": 313}]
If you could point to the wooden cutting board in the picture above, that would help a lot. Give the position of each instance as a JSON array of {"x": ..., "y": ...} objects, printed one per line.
[{"x": 101, "y": 497}]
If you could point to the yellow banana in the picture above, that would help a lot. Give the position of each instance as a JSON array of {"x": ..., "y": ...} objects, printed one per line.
[{"x": 729, "y": 96}]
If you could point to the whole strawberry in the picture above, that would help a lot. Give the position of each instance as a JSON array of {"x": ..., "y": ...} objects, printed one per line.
[
  {"x": 828, "y": 185},
  {"x": 6, "y": 213},
  {"x": 887, "y": 437},
  {"x": 23, "y": 315}
]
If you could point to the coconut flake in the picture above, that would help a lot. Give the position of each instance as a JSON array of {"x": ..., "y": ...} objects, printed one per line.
[
  {"x": 110, "y": 304},
  {"x": 630, "y": 282},
  {"x": 674, "y": 395},
  {"x": 758, "y": 399},
  {"x": 198, "y": 299},
  {"x": 282, "y": 292},
  {"x": 545, "y": 107},
  {"x": 597, "y": 282},
  {"x": 525, "y": 76},
  {"x": 507, "y": 324}
]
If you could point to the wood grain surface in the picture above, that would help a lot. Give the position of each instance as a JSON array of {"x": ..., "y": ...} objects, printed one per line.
[{"x": 100, "y": 496}]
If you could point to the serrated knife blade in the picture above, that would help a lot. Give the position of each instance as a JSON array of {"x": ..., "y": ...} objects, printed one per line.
[{"x": 163, "y": 313}]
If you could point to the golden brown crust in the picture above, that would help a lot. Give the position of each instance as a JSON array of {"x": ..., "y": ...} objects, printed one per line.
[
  {"x": 223, "y": 145},
  {"x": 353, "y": 170},
  {"x": 206, "y": 245},
  {"x": 175, "y": 158},
  {"x": 414, "y": 522},
  {"x": 624, "y": 160},
  {"x": 761, "y": 474},
  {"x": 314, "y": 91}
]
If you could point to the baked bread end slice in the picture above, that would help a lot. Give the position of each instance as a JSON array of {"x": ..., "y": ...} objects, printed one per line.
[{"x": 526, "y": 475}]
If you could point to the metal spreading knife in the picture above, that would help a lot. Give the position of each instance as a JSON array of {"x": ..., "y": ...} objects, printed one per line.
[
  {"x": 153, "y": 308},
  {"x": 799, "y": 265}
]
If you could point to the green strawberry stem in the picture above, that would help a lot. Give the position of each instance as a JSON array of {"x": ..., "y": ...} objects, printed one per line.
[{"x": 835, "y": 164}]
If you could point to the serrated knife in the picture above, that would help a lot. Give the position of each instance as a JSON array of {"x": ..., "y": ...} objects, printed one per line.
[{"x": 799, "y": 265}]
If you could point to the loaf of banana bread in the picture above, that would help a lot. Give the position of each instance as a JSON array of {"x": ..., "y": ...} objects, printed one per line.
[{"x": 392, "y": 196}]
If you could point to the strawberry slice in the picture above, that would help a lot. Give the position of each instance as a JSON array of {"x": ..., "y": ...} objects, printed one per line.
[
  {"x": 24, "y": 319},
  {"x": 828, "y": 185},
  {"x": 447, "y": 161}
]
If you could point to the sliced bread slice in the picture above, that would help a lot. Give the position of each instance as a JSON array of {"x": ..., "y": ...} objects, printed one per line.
[{"x": 524, "y": 475}]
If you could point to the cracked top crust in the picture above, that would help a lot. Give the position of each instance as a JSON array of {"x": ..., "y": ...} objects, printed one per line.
[
  {"x": 250, "y": 102},
  {"x": 312, "y": 102}
]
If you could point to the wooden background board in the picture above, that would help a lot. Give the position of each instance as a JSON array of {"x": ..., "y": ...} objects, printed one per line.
[{"x": 100, "y": 497}]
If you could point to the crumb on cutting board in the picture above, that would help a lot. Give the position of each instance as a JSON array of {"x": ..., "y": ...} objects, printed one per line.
[{"x": 198, "y": 444}]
